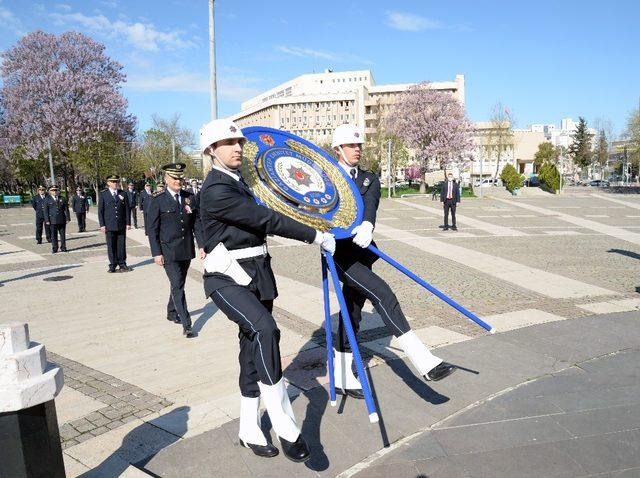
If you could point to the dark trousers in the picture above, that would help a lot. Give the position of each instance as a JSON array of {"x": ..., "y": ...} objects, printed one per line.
[
  {"x": 177, "y": 306},
  {"x": 144, "y": 217},
  {"x": 449, "y": 205},
  {"x": 259, "y": 337},
  {"x": 117, "y": 248},
  {"x": 134, "y": 215},
  {"x": 39, "y": 226},
  {"x": 55, "y": 230},
  {"x": 82, "y": 221},
  {"x": 359, "y": 284}
]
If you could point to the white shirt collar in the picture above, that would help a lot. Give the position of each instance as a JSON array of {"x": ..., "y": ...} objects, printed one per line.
[
  {"x": 348, "y": 168},
  {"x": 229, "y": 173}
]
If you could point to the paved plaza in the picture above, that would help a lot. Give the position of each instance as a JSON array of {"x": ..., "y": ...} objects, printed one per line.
[{"x": 554, "y": 393}]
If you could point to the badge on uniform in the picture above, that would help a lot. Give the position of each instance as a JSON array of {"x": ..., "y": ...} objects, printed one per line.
[
  {"x": 366, "y": 182},
  {"x": 297, "y": 178}
]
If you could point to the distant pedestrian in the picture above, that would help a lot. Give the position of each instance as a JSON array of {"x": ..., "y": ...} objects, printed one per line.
[
  {"x": 450, "y": 198},
  {"x": 80, "y": 206},
  {"x": 144, "y": 201},
  {"x": 56, "y": 213},
  {"x": 114, "y": 218},
  {"x": 132, "y": 197},
  {"x": 194, "y": 189},
  {"x": 37, "y": 202}
]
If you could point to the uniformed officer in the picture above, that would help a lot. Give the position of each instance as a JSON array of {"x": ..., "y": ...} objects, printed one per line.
[
  {"x": 114, "y": 218},
  {"x": 354, "y": 262},
  {"x": 56, "y": 213},
  {"x": 132, "y": 198},
  {"x": 145, "y": 201},
  {"x": 173, "y": 220},
  {"x": 37, "y": 202},
  {"x": 160, "y": 187},
  {"x": 80, "y": 205},
  {"x": 239, "y": 279}
]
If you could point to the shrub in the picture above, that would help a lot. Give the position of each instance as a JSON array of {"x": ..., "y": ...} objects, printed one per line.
[
  {"x": 549, "y": 176},
  {"x": 511, "y": 178}
]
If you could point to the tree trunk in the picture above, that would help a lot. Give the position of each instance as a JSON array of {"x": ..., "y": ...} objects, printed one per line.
[{"x": 423, "y": 186}]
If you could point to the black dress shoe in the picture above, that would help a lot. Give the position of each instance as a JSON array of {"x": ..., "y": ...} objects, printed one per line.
[
  {"x": 265, "y": 451},
  {"x": 187, "y": 332},
  {"x": 64, "y": 249},
  {"x": 454, "y": 228},
  {"x": 111, "y": 270},
  {"x": 125, "y": 268},
  {"x": 54, "y": 252},
  {"x": 445, "y": 228},
  {"x": 38, "y": 242},
  {"x": 441, "y": 371},
  {"x": 175, "y": 320},
  {"x": 297, "y": 451},
  {"x": 351, "y": 392}
]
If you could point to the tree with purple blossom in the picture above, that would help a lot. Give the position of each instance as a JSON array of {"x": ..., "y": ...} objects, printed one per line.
[
  {"x": 62, "y": 89},
  {"x": 434, "y": 124}
]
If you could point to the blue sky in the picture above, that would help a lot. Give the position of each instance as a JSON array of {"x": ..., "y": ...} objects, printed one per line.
[{"x": 546, "y": 60}]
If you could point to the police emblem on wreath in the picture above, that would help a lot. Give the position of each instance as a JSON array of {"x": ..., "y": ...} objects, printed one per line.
[{"x": 297, "y": 178}]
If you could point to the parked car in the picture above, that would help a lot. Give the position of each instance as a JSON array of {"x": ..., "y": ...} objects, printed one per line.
[
  {"x": 599, "y": 183},
  {"x": 532, "y": 181},
  {"x": 487, "y": 183}
]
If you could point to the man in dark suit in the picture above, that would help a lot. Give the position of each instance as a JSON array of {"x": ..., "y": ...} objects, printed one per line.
[
  {"x": 450, "y": 198},
  {"x": 56, "y": 213},
  {"x": 354, "y": 262},
  {"x": 132, "y": 198},
  {"x": 114, "y": 218},
  {"x": 194, "y": 189},
  {"x": 172, "y": 222},
  {"x": 37, "y": 202},
  {"x": 80, "y": 205},
  {"x": 239, "y": 279},
  {"x": 145, "y": 202}
]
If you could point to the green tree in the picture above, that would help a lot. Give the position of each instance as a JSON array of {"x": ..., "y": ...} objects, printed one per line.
[
  {"x": 499, "y": 138},
  {"x": 633, "y": 134},
  {"x": 602, "y": 149},
  {"x": 549, "y": 176},
  {"x": 511, "y": 178},
  {"x": 580, "y": 149},
  {"x": 546, "y": 153}
]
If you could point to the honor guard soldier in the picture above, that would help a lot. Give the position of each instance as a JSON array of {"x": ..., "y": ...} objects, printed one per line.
[
  {"x": 114, "y": 218},
  {"x": 37, "y": 202},
  {"x": 239, "y": 279},
  {"x": 56, "y": 213},
  {"x": 354, "y": 261},
  {"x": 132, "y": 198},
  {"x": 145, "y": 201},
  {"x": 172, "y": 222},
  {"x": 80, "y": 205}
]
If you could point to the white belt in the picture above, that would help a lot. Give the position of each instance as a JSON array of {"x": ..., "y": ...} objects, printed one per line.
[{"x": 248, "y": 252}]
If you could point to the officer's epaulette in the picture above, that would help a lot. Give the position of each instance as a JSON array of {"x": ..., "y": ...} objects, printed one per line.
[
  {"x": 157, "y": 193},
  {"x": 104, "y": 190}
]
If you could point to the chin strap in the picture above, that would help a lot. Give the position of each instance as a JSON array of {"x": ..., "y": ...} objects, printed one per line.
[
  {"x": 218, "y": 162},
  {"x": 344, "y": 157}
]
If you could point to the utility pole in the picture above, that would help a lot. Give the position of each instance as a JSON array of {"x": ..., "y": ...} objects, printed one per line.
[
  {"x": 212, "y": 62},
  {"x": 389, "y": 168},
  {"x": 53, "y": 178},
  {"x": 481, "y": 177},
  {"x": 173, "y": 149}
]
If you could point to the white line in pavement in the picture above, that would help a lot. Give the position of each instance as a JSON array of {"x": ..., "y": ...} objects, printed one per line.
[
  {"x": 22, "y": 224},
  {"x": 82, "y": 234},
  {"x": 10, "y": 254},
  {"x": 539, "y": 281},
  {"x": 618, "y": 201},
  {"x": 612, "y": 231},
  {"x": 595, "y": 215},
  {"x": 462, "y": 219},
  {"x": 632, "y": 216}
]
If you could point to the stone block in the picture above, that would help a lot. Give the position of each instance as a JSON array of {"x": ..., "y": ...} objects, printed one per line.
[
  {"x": 23, "y": 365},
  {"x": 29, "y": 393},
  {"x": 14, "y": 338}
]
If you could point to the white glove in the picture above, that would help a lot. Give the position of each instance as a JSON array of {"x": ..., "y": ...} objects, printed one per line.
[
  {"x": 326, "y": 241},
  {"x": 363, "y": 234}
]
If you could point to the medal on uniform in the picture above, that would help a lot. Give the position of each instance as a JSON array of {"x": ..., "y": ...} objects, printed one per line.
[{"x": 297, "y": 178}]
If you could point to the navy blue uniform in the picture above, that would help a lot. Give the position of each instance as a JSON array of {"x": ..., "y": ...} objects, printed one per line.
[
  {"x": 113, "y": 214},
  {"x": 450, "y": 200},
  {"x": 80, "y": 206},
  {"x": 230, "y": 215},
  {"x": 145, "y": 201},
  {"x": 359, "y": 282},
  {"x": 172, "y": 224},
  {"x": 37, "y": 202},
  {"x": 132, "y": 197},
  {"x": 56, "y": 213}
]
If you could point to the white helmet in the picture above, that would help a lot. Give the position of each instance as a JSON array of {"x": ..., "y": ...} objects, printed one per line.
[
  {"x": 347, "y": 134},
  {"x": 217, "y": 130}
]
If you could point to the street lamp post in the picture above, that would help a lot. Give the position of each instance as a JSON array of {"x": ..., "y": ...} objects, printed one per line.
[{"x": 212, "y": 62}]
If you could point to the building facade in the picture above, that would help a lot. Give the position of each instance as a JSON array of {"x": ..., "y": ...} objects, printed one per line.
[{"x": 313, "y": 105}]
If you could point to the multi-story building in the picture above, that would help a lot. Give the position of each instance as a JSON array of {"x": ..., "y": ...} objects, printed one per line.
[{"x": 312, "y": 105}]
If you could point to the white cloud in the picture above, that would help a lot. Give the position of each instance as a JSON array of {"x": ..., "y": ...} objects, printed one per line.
[
  {"x": 410, "y": 22},
  {"x": 63, "y": 6},
  {"x": 144, "y": 36},
  {"x": 322, "y": 54},
  {"x": 229, "y": 88},
  {"x": 8, "y": 21}
]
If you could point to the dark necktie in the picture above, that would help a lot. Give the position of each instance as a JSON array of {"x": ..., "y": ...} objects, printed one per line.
[
  {"x": 353, "y": 173},
  {"x": 177, "y": 196}
]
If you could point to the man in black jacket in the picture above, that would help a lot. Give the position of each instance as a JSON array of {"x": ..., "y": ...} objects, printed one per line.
[
  {"x": 56, "y": 213},
  {"x": 80, "y": 205},
  {"x": 145, "y": 202},
  {"x": 37, "y": 202},
  {"x": 450, "y": 198},
  {"x": 172, "y": 222},
  {"x": 132, "y": 198},
  {"x": 354, "y": 263},
  {"x": 239, "y": 279},
  {"x": 114, "y": 218}
]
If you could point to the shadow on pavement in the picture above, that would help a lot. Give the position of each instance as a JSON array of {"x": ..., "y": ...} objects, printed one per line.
[
  {"x": 633, "y": 255},
  {"x": 39, "y": 273},
  {"x": 206, "y": 313}
]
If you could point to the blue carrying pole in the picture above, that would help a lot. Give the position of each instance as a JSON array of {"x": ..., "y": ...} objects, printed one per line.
[
  {"x": 328, "y": 333},
  {"x": 371, "y": 407},
  {"x": 432, "y": 289}
]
